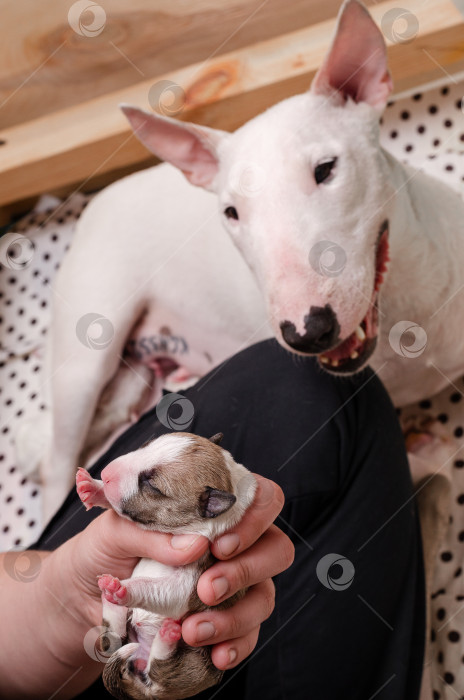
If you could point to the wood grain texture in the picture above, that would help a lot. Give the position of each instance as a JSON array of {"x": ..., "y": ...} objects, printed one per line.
[
  {"x": 81, "y": 143},
  {"x": 141, "y": 38}
]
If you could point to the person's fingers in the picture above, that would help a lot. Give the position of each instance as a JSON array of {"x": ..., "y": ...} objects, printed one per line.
[
  {"x": 234, "y": 625},
  {"x": 122, "y": 538},
  {"x": 269, "y": 556},
  {"x": 266, "y": 506},
  {"x": 230, "y": 654}
]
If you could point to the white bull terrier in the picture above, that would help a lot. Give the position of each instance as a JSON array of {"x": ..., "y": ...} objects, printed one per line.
[{"x": 308, "y": 178}]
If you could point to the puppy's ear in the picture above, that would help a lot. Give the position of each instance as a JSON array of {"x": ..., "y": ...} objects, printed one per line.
[
  {"x": 214, "y": 502},
  {"x": 217, "y": 438}
]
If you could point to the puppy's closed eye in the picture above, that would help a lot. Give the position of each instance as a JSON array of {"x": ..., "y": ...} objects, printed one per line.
[{"x": 146, "y": 482}]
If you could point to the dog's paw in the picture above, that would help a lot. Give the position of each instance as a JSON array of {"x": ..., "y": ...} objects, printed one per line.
[
  {"x": 424, "y": 435},
  {"x": 430, "y": 448},
  {"x": 170, "y": 631},
  {"x": 112, "y": 588},
  {"x": 89, "y": 490}
]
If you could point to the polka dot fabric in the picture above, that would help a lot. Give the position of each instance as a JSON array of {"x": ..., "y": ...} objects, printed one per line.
[
  {"x": 425, "y": 130},
  {"x": 25, "y": 296}
]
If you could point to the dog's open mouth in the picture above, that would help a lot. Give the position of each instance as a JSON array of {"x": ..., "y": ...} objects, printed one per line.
[{"x": 354, "y": 351}]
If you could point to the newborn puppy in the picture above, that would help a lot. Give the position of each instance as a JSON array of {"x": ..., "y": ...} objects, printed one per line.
[{"x": 179, "y": 483}]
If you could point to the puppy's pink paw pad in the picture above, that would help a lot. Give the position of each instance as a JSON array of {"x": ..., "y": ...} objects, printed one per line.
[
  {"x": 140, "y": 664},
  {"x": 170, "y": 630},
  {"x": 112, "y": 589},
  {"x": 87, "y": 488}
]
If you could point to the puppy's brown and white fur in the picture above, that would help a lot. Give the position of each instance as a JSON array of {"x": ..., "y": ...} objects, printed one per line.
[{"x": 178, "y": 483}]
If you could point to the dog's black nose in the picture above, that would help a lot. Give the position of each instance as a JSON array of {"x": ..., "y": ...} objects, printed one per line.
[{"x": 321, "y": 331}]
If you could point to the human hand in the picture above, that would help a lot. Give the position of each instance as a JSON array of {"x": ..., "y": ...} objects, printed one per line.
[{"x": 251, "y": 553}]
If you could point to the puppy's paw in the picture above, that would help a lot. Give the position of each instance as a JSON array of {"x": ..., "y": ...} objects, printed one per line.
[
  {"x": 137, "y": 665},
  {"x": 89, "y": 490},
  {"x": 112, "y": 589},
  {"x": 170, "y": 631}
]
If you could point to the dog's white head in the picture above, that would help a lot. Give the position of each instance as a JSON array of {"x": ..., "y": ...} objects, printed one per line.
[{"x": 304, "y": 193}]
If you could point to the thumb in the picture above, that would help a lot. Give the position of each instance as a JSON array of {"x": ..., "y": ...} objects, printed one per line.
[{"x": 126, "y": 540}]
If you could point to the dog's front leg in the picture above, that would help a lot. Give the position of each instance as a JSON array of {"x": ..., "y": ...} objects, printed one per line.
[
  {"x": 167, "y": 596},
  {"x": 75, "y": 396},
  {"x": 79, "y": 375}
]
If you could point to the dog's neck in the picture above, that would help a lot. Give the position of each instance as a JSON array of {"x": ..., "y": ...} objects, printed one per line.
[
  {"x": 423, "y": 283},
  {"x": 424, "y": 247}
]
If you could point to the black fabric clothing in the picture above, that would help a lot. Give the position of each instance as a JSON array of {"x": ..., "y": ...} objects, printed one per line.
[{"x": 335, "y": 446}]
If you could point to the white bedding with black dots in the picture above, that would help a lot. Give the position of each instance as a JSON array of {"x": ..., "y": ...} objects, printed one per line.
[{"x": 426, "y": 130}]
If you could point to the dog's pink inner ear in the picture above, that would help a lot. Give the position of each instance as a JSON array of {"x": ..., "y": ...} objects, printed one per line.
[
  {"x": 214, "y": 502},
  {"x": 191, "y": 148},
  {"x": 356, "y": 64}
]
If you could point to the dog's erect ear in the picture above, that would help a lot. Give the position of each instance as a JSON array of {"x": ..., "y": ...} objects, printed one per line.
[
  {"x": 217, "y": 438},
  {"x": 214, "y": 502},
  {"x": 356, "y": 64},
  {"x": 191, "y": 148}
]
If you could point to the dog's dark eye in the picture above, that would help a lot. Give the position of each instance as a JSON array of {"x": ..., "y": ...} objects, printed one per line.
[
  {"x": 323, "y": 170},
  {"x": 231, "y": 213}
]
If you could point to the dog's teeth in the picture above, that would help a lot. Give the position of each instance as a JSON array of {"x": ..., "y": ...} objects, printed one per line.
[
  {"x": 334, "y": 363},
  {"x": 360, "y": 333},
  {"x": 354, "y": 355},
  {"x": 324, "y": 360}
]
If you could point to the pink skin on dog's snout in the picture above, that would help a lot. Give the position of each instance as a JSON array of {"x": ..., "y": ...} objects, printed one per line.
[{"x": 111, "y": 477}]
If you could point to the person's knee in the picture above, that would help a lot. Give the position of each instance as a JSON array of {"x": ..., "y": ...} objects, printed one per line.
[
  {"x": 269, "y": 370},
  {"x": 293, "y": 388}
]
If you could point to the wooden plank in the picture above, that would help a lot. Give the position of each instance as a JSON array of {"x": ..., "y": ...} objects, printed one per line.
[
  {"x": 140, "y": 38},
  {"x": 90, "y": 139}
]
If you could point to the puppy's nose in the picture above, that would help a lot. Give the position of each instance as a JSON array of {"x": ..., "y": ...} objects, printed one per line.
[
  {"x": 111, "y": 477},
  {"x": 321, "y": 331}
]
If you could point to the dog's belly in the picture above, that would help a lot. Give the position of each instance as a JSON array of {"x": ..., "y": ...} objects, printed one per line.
[{"x": 164, "y": 340}]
